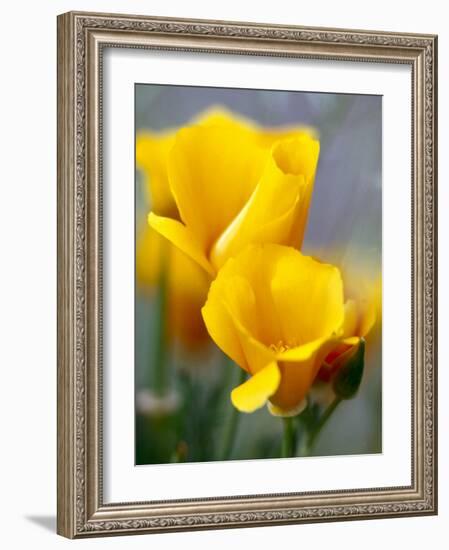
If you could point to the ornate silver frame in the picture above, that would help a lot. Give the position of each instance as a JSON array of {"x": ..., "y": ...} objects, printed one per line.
[{"x": 81, "y": 39}]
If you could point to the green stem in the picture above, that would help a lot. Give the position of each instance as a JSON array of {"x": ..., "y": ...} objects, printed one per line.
[
  {"x": 230, "y": 428},
  {"x": 321, "y": 422},
  {"x": 289, "y": 439},
  {"x": 159, "y": 334}
]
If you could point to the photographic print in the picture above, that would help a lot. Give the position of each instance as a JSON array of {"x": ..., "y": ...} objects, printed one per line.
[
  {"x": 247, "y": 282},
  {"x": 258, "y": 274}
]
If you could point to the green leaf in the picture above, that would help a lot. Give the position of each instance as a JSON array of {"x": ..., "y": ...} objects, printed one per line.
[{"x": 349, "y": 376}]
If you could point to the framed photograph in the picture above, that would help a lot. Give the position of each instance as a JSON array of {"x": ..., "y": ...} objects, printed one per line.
[{"x": 247, "y": 274}]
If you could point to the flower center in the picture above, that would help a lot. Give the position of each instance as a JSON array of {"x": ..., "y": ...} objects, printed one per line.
[{"x": 281, "y": 346}]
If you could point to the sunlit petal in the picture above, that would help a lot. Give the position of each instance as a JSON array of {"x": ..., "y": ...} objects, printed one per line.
[
  {"x": 268, "y": 216},
  {"x": 212, "y": 173},
  {"x": 253, "y": 393},
  {"x": 309, "y": 298},
  {"x": 182, "y": 237}
]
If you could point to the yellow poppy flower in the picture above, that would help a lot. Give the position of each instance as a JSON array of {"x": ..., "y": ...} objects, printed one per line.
[
  {"x": 235, "y": 184},
  {"x": 363, "y": 310},
  {"x": 277, "y": 314},
  {"x": 187, "y": 286}
]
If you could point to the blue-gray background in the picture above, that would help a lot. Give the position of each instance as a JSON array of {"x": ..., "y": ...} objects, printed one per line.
[{"x": 345, "y": 215}]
